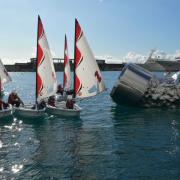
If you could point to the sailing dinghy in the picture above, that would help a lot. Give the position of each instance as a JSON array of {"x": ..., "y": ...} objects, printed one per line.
[
  {"x": 87, "y": 77},
  {"x": 60, "y": 108},
  {"x": 66, "y": 75},
  {"x": 46, "y": 83},
  {"x": 4, "y": 77}
]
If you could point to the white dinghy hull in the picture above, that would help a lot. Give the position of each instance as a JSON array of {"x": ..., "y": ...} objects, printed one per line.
[
  {"x": 61, "y": 110},
  {"x": 6, "y": 112},
  {"x": 28, "y": 112}
]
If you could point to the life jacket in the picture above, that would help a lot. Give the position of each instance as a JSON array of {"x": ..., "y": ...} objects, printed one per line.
[
  {"x": 51, "y": 102},
  {"x": 70, "y": 104},
  {"x": 42, "y": 105},
  {"x": 11, "y": 99},
  {"x": 14, "y": 100}
]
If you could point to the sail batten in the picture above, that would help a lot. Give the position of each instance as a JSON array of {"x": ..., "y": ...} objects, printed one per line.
[
  {"x": 88, "y": 79},
  {"x": 45, "y": 76}
]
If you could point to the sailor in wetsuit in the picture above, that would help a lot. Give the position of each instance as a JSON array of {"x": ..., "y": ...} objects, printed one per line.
[
  {"x": 14, "y": 99},
  {"x": 60, "y": 89}
]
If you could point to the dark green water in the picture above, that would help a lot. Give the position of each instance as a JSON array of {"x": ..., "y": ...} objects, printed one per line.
[{"x": 106, "y": 142}]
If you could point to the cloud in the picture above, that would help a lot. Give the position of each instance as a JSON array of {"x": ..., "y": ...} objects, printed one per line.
[
  {"x": 134, "y": 57},
  {"x": 177, "y": 54},
  {"x": 10, "y": 60},
  {"x": 129, "y": 57},
  {"x": 159, "y": 54}
]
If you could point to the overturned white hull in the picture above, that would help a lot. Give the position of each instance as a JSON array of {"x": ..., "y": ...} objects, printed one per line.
[
  {"x": 29, "y": 112},
  {"x": 131, "y": 86},
  {"x": 61, "y": 110},
  {"x": 6, "y": 112}
]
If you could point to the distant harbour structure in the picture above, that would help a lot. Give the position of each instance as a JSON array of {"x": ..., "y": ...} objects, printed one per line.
[
  {"x": 158, "y": 63},
  {"x": 59, "y": 65},
  {"x": 152, "y": 64}
]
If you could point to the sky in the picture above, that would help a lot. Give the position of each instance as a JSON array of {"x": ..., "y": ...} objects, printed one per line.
[{"x": 115, "y": 29}]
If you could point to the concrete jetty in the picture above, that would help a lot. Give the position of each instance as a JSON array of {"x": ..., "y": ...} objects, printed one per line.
[{"x": 58, "y": 62}]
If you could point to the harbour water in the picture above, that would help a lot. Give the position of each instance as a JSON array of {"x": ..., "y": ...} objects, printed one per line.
[{"x": 106, "y": 142}]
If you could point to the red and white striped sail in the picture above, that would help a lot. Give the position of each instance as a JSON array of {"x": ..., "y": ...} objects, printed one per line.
[
  {"x": 45, "y": 77},
  {"x": 67, "y": 71},
  {"x": 88, "y": 80},
  {"x": 5, "y": 77}
]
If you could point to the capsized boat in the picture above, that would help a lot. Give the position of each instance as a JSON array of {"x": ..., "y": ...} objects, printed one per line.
[
  {"x": 6, "y": 112},
  {"x": 46, "y": 83},
  {"x": 131, "y": 85},
  {"x": 4, "y": 77},
  {"x": 87, "y": 77},
  {"x": 137, "y": 86}
]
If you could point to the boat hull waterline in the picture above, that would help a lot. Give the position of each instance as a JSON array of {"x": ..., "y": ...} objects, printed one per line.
[
  {"x": 61, "y": 110},
  {"x": 28, "y": 112}
]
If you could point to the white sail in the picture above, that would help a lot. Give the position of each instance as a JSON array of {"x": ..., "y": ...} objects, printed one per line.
[
  {"x": 5, "y": 77},
  {"x": 46, "y": 76},
  {"x": 67, "y": 71},
  {"x": 88, "y": 79}
]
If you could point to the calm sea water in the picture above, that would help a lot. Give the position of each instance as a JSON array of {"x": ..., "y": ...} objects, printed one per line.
[{"x": 106, "y": 142}]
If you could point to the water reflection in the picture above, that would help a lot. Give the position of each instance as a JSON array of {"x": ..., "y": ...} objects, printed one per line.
[
  {"x": 149, "y": 136},
  {"x": 58, "y": 147},
  {"x": 15, "y": 149},
  {"x": 175, "y": 148}
]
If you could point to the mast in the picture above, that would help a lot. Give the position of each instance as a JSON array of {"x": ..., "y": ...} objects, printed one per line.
[
  {"x": 36, "y": 92},
  {"x": 65, "y": 46},
  {"x": 75, "y": 58}
]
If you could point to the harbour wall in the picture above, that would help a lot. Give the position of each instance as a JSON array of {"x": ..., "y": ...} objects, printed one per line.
[{"x": 30, "y": 67}]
